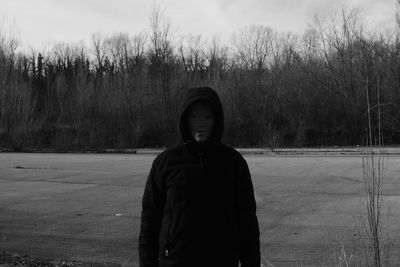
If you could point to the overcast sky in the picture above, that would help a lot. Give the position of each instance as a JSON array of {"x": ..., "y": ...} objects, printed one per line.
[{"x": 43, "y": 22}]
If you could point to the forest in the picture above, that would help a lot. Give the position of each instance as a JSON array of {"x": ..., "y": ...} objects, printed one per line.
[{"x": 278, "y": 89}]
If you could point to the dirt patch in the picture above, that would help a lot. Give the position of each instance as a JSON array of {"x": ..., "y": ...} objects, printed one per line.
[{"x": 13, "y": 260}]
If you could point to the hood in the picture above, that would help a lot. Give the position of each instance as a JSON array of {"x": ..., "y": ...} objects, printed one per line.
[{"x": 205, "y": 94}]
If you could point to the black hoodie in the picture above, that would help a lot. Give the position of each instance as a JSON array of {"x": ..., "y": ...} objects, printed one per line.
[{"x": 198, "y": 206}]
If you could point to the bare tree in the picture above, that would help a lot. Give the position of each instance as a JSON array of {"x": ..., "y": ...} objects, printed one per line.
[
  {"x": 217, "y": 62},
  {"x": 98, "y": 49},
  {"x": 135, "y": 76},
  {"x": 193, "y": 59},
  {"x": 162, "y": 62},
  {"x": 16, "y": 120},
  {"x": 338, "y": 51},
  {"x": 253, "y": 46}
]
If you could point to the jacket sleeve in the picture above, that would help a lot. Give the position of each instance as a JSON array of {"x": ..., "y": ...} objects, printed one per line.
[
  {"x": 249, "y": 233},
  {"x": 152, "y": 209}
]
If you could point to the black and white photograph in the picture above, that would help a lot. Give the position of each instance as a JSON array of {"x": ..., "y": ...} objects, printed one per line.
[{"x": 212, "y": 133}]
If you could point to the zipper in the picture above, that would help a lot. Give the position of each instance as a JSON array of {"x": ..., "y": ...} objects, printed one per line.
[{"x": 167, "y": 246}]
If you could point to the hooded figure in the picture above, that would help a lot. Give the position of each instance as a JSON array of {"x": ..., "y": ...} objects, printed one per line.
[{"x": 198, "y": 207}]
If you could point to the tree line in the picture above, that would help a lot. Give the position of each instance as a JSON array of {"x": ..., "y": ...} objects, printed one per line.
[{"x": 278, "y": 89}]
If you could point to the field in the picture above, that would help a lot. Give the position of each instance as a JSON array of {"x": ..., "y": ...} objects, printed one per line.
[{"x": 87, "y": 206}]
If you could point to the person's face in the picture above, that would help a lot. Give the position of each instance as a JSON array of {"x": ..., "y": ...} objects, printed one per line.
[{"x": 201, "y": 121}]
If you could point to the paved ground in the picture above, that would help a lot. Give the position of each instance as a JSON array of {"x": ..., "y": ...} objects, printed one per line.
[{"x": 87, "y": 206}]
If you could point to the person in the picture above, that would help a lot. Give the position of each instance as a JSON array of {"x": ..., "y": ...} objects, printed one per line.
[{"x": 198, "y": 206}]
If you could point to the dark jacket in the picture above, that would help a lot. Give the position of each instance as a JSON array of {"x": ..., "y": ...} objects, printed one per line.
[{"x": 198, "y": 204}]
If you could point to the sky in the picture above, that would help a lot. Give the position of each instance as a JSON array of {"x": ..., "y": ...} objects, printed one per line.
[{"x": 41, "y": 23}]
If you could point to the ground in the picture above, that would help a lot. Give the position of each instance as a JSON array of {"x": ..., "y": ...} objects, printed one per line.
[{"x": 86, "y": 207}]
